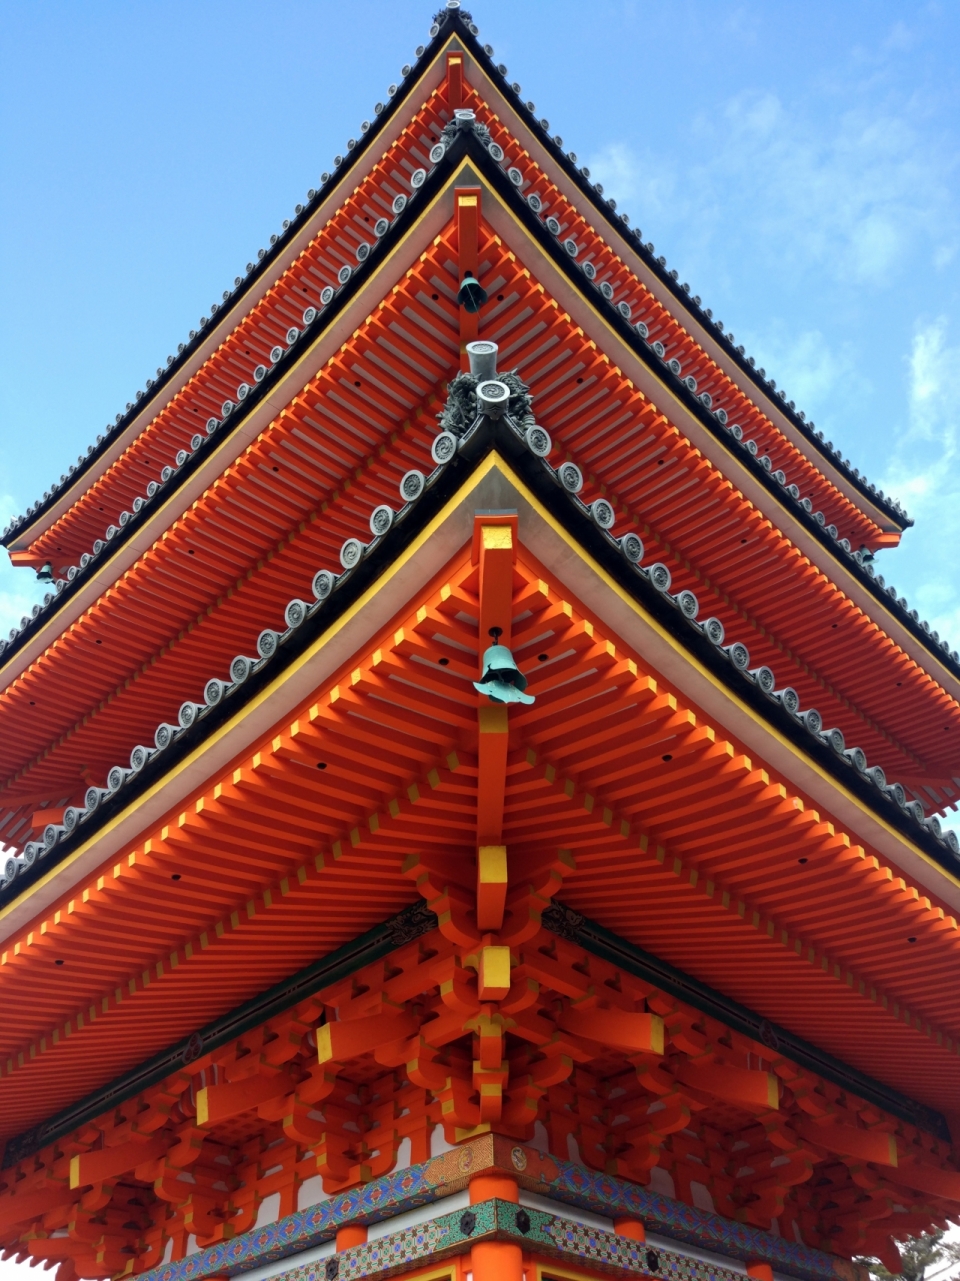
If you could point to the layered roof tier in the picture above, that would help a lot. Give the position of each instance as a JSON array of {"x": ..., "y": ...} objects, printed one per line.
[{"x": 249, "y": 703}]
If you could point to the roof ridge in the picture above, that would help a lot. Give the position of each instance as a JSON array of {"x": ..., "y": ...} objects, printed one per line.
[
  {"x": 529, "y": 439},
  {"x": 671, "y": 278}
]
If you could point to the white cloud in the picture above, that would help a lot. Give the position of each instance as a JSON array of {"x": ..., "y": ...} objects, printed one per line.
[
  {"x": 19, "y": 589},
  {"x": 853, "y": 195},
  {"x": 11, "y": 1270},
  {"x": 925, "y": 473}
]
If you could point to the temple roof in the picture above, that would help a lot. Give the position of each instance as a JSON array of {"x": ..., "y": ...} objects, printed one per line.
[
  {"x": 320, "y": 765},
  {"x": 248, "y": 289},
  {"x": 666, "y": 504},
  {"x": 245, "y": 732}
]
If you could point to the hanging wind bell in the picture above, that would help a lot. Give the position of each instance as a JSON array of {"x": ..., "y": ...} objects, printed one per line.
[{"x": 502, "y": 680}]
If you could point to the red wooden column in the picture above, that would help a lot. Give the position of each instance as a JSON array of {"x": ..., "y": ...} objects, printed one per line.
[
  {"x": 495, "y": 1260},
  {"x": 454, "y": 80},
  {"x": 761, "y": 1271},
  {"x": 349, "y": 1235},
  {"x": 495, "y": 551},
  {"x": 467, "y": 201}
]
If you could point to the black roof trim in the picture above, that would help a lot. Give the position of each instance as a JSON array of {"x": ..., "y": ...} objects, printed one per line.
[
  {"x": 446, "y": 23},
  {"x": 305, "y": 623},
  {"x": 66, "y": 589},
  {"x": 611, "y": 947},
  {"x": 264, "y": 265},
  {"x": 371, "y": 946},
  {"x": 465, "y": 142},
  {"x": 484, "y": 55},
  {"x": 849, "y": 558}
]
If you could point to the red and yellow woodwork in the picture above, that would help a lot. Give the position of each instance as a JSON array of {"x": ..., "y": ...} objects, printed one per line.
[{"x": 366, "y": 776}]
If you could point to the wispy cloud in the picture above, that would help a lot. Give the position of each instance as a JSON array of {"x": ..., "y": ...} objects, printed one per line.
[
  {"x": 925, "y": 472},
  {"x": 854, "y": 197},
  {"x": 19, "y": 589},
  {"x": 845, "y": 193}
]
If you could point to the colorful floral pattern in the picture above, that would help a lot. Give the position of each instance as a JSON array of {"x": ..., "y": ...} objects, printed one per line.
[{"x": 562, "y": 1181}]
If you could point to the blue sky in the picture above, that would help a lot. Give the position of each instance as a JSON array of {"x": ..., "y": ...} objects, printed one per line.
[{"x": 796, "y": 162}]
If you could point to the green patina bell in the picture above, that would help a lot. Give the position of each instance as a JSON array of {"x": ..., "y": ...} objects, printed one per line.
[
  {"x": 502, "y": 680},
  {"x": 472, "y": 294}
]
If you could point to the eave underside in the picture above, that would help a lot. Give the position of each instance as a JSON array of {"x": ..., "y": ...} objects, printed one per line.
[
  {"x": 678, "y": 841},
  {"x": 283, "y": 509}
]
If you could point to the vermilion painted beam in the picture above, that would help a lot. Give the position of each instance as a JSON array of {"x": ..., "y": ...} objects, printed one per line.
[
  {"x": 105, "y": 1163},
  {"x": 493, "y": 739},
  {"x": 454, "y": 80},
  {"x": 637, "y": 1032},
  {"x": 926, "y": 1178},
  {"x": 495, "y": 550},
  {"x": 218, "y": 1102},
  {"x": 495, "y": 544},
  {"x": 337, "y": 1041},
  {"x": 468, "y": 242},
  {"x": 734, "y": 1085},
  {"x": 869, "y": 1145},
  {"x": 19, "y": 1209}
]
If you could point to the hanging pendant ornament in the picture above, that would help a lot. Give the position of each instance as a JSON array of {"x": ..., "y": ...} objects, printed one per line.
[{"x": 502, "y": 680}]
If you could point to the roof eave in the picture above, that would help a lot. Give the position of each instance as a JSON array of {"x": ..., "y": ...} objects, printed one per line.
[
  {"x": 425, "y": 76},
  {"x": 530, "y": 133},
  {"x": 760, "y": 721}
]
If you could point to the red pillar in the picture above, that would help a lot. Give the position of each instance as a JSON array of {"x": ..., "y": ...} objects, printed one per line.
[
  {"x": 349, "y": 1235},
  {"x": 495, "y": 1260},
  {"x": 468, "y": 240}
]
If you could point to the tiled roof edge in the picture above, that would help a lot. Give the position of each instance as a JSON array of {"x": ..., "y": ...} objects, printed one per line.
[
  {"x": 528, "y": 444},
  {"x": 454, "y": 18},
  {"x": 670, "y": 279},
  {"x": 233, "y": 413},
  {"x": 409, "y": 924},
  {"x": 714, "y": 419},
  {"x": 412, "y": 923},
  {"x": 266, "y": 262}
]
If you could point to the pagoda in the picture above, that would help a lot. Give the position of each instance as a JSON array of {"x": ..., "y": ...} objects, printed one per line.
[{"x": 470, "y": 804}]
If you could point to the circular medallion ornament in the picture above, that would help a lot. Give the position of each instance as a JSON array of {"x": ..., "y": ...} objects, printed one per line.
[
  {"x": 519, "y": 1158},
  {"x": 193, "y": 1048},
  {"x": 443, "y": 448},
  {"x": 465, "y": 1160},
  {"x": 768, "y": 1035}
]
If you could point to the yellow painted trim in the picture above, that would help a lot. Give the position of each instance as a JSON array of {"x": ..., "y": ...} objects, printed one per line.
[
  {"x": 492, "y": 864},
  {"x": 497, "y": 537},
  {"x": 411, "y": 92},
  {"x": 53, "y": 628},
  {"x": 203, "y": 1106},
  {"x": 714, "y": 680},
  {"x": 733, "y": 465}
]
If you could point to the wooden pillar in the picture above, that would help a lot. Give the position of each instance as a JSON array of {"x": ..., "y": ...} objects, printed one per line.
[
  {"x": 468, "y": 242},
  {"x": 454, "y": 80},
  {"x": 761, "y": 1271},
  {"x": 349, "y": 1235},
  {"x": 495, "y": 1260},
  {"x": 631, "y": 1228}
]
